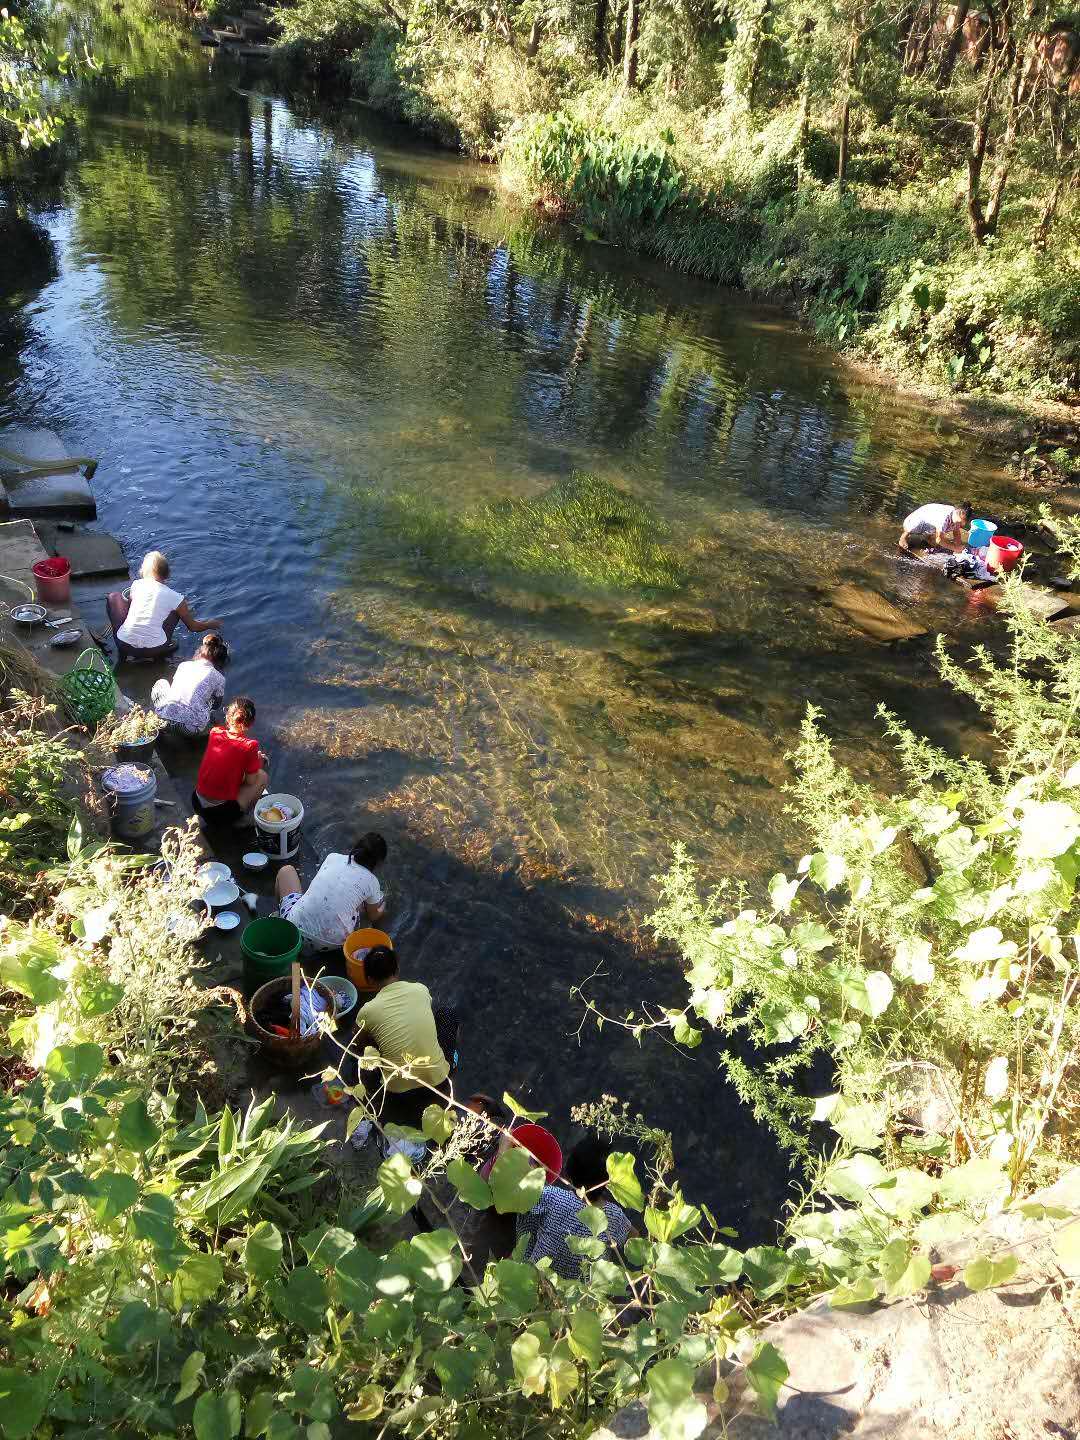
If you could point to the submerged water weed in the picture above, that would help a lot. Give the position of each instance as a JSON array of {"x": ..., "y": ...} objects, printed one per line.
[{"x": 583, "y": 530}]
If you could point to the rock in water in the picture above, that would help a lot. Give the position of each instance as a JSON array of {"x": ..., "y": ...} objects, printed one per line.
[{"x": 873, "y": 614}]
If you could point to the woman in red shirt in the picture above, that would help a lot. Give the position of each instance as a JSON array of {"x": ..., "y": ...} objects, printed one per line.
[{"x": 233, "y": 773}]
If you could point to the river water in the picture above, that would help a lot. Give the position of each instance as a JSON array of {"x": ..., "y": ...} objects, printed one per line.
[{"x": 352, "y": 393}]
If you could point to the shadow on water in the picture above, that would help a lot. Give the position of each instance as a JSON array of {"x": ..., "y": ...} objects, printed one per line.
[{"x": 348, "y": 389}]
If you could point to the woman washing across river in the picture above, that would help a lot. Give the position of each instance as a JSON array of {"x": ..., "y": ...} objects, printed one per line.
[
  {"x": 143, "y": 626},
  {"x": 198, "y": 685},
  {"x": 343, "y": 896}
]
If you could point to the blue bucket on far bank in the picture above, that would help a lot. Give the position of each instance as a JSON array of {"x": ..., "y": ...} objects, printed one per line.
[{"x": 980, "y": 534}]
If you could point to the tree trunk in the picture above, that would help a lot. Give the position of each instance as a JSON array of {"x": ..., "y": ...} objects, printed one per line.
[
  {"x": 1006, "y": 147},
  {"x": 630, "y": 55},
  {"x": 980, "y": 133},
  {"x": 601, "y": 50},
  {"x": 759, "y": 50},
  {"x": 803, "y": 139},
  {"x": 1046, "y": 219},
  {"x": 533, "y": 43},
  {"x": 952, "y": 49},
  {"x": 845, "y": 114}
]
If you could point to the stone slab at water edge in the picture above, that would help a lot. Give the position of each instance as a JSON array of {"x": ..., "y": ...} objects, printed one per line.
[
  {"x": 40, "y": 477},
  {"x": 90, "y": 554}
]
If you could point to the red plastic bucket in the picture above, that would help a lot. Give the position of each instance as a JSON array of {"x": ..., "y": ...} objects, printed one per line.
[
  {"x": 1004, "y": 553},
  {"x": 53, "y": 580},
  {"x": 542, "y": 1146}
]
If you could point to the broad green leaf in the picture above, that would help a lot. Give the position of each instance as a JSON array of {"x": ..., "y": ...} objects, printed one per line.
[
  {"x": 135, "y": 1130},
  {"x": 511, "y": 1287},
  {"x": 593, "y": 1218},
  {"x": 226, "y": 1134},
  {"x": 217, "y": 1415},
  {"x": 530, "y": 1363},
  {"x": 903, "y": 1271},
  {"x": 911, "y": 960},
  {"x": 192, "y": 1373},
  {"x": 623, "y": 1185},
  {"x": 368, "y": 1404},
  {"x": 516, "y": 1183},
  {"x": 984, "y": 1271},
  {"x": 115, "y": 1194},
  {"x": 399, "y": 1186},
  {"x": 97, "y": 996},
  {"x": 858, "y": 1292},
  {"x": 852, "y": 1178},
  {"x": 562, "y": 1377},
  {"x": 1047, "y": 829},
  {"x": 327, "y": 1245},
  {"x": 262, "y": 1252},
  {"x": 155, "y": 1220},
  {"x": 587, "y": 1338},
  {"x": 811, "y": 935},
  {"x": 879, "y": 993},
  {"x": 197, "y": 1280},
  {"x": 861, "y": 1126},
  {"x": 827, "y": 871},
  {"x": 674, "y": 1410},
  {"x": 437, "y": 1124},
  {"x": 976, "y": 1182},
  {"x": 302, "y": 1299},
  {"x": 259, "y": 1412},
  {"x": 905, "y": 1191},
  {"x": 78, "y": 1064},
  {"x": 471, "y": 1187},
  {"x": 22, "y": 1401},
  {"x": 984, "y": 946},
  {"x": 676, "y": 1220},
  {"x": 456, "y": 1367},
  {"x": 767, "y": 1373},
  {"x": 312, "y": 1394},
  {"x": 437, "y": 1260},
  {"x": 767, "y": 1268}
]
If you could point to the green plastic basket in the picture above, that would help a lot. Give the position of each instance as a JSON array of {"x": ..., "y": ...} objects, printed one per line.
[{"x": 89, "y": 689}]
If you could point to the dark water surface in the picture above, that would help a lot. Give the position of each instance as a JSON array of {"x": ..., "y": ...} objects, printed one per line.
[{"x": 310, "y": 352}]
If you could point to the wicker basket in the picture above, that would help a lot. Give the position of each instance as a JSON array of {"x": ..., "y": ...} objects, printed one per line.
[
  {"x": 89, "y": 689},
  {"x": 291, "y": 1054}
]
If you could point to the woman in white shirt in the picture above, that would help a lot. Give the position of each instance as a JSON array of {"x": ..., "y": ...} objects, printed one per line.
[
  {"x": 143, "y": 625},
  {"x": 344, "y": 895},
  {"x": 187, "y": 699}
]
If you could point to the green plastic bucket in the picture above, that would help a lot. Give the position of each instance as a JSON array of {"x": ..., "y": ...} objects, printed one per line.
[{"x": 270, "y": 946}]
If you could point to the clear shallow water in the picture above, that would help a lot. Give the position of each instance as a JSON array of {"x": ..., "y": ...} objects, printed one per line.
[{"x": 309, "y": 353}]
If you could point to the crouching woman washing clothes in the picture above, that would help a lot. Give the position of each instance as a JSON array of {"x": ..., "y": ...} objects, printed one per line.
[
  {"x": 143, "y": 626},
  {"x": 233, "y": 773},
  {"x": 344, "y": 895},
  {"x": 187, "y": 700}
]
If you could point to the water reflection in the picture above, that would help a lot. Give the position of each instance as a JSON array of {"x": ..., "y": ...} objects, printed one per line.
[{"x": 314, "y": 357}]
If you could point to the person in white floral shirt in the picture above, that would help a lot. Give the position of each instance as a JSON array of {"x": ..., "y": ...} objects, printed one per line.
[{"x": 198, "y": 685}]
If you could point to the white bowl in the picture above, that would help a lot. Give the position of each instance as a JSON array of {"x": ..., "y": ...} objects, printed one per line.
[
  {"x": 28, "y": 614},
  {"x": 255, "y": 860},
  {"x": 227, "y": 920},
  {"x": 212, "y": 872},
  {"x": 221, "y": 894}
]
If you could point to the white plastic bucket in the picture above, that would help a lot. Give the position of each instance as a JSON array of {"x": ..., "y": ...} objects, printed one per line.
[
  {"x": 280, "y": 839},
  {"x": 132, "y": 810}
]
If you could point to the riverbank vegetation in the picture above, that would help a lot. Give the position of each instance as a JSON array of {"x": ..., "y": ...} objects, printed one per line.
[{"x": 907, "y": 176}]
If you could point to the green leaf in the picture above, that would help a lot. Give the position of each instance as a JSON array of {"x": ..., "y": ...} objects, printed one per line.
[
  {"x": 260, "y": 1410},
  {"x": 563, "y": 1378},
  {"x": 192, "y": 1373},
  {"x": 530, "y": 1363},
  {"x": 302, "y": 1299},
  {"x": 674, "y": 1410},
  {"x": 974, "y": 1183},
  {"x": 861, "y": 1126},
  {"x": 327, "y": 1245},
  {"x": 226, "y": 1134},
  {"x": 911, "y": 960},
  {"x": 519, "y": 1111},
  {"x": 135, "y": 1130},
  {"x": 767, "y": 1269},
  {"x": 827, "y": 871},
  {"x": 852, "y": 1178},
  {"x": 811, "y": 935},
  {"x": 905, "y": 1191},
  {"x": 78, "y": 1064},
  {"x": 902, "y": 1271},
  {"x": 859, "y": 1292},
  {"x": 623, "y": 1185},
  {"x": 399, "y": 1186},
  {"x": 593, "y": 1218},
  {"x": 456, "y": 1367},
  {"x": 22, "y": 1401},
  {"x": 262, "y": 1253},
  {"x": 437, "y": 1260},
  {"x": 587, "y": 1338},
  {"x": 984, "y": 1272},
  {"x": 471, "y": 1187},
  {"x": 115, "y": 1194},
  {"x": 767, "y": 1373},
  {"x": 312, "y": 1394},
  {"x": 368, "y": 1404},
  {"x": 97, "y": 996},
  {"x": 155, "y": 1221},
  {"x": 198, "y": 1280},
  {"x": 1048, "y": 828},
  {"x": 437, "y": 1123},
  {"x": 516, "y": 1183},
  {"x": 217, "y": 1415}
]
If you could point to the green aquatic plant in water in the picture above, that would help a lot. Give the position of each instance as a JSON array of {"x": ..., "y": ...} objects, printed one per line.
[{"x": 584, "y": 530}]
